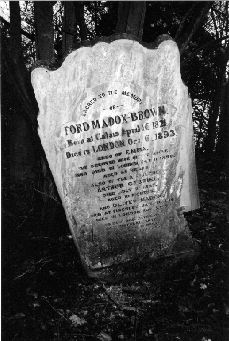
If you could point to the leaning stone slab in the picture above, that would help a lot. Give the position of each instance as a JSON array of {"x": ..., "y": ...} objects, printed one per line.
[{"x": 115, "y": 121}]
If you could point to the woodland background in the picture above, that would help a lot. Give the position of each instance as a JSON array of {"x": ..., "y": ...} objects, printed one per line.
[{"x": 46, "y": 295}]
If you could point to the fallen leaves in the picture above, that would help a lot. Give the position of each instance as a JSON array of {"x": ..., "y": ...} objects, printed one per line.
[
  {"x": 104, "y": 337},
  {"x": 77, "y": 321},
  {"x": 51, "y": 300},
  {"x": 203, "y": 286}
]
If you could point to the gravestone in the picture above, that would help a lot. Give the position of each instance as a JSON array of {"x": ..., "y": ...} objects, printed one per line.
[{"x": 115, "y": 121}]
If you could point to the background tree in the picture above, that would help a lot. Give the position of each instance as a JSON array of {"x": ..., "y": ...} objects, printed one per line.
[
  {"x": 44, "y": 32},
  {"x": 44, "y": 295}
]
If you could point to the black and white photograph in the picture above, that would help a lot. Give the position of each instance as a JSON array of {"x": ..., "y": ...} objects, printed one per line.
[{"x": 115, "y": 170}]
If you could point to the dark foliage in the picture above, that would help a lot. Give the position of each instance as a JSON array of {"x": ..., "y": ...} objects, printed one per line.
[{"x": 47, "y": 297}]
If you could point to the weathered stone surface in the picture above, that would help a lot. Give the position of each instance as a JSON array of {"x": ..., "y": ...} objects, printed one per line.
[{"x": 115, "y": 122}]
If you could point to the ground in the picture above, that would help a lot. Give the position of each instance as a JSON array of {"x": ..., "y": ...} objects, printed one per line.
[{"x": 46, "y": 296}]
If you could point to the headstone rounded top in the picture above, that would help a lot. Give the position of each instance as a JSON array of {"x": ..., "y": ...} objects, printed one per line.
[
  {"x": 115, "y": 121},
  {"x": 94, "y": 62},
  {"x": 110, "y": 39}
]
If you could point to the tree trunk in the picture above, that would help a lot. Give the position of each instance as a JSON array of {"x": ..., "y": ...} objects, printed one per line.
[
  {"x": 43, "y": 16},
  {"x": 222, "y": 148},
  {"x": 191, "y": 22},
  {"x": 79, "y": 14},
  {"x": 210, "y": 140},
  {"x": 131, "y": 15},
  {"x": 22, "y": 158},
  {"x": 69, "y": 27},
  {"x": 16, "y": 68},
  {"x": 23, "y": 140}
]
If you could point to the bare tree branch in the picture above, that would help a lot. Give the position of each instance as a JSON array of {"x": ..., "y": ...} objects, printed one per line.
[
  {"x": 23, "y": 32},
  {"x": 206, "y": 46},
  {"x": 214, "y": 22},
  {"x": 196, "y": 16}
]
